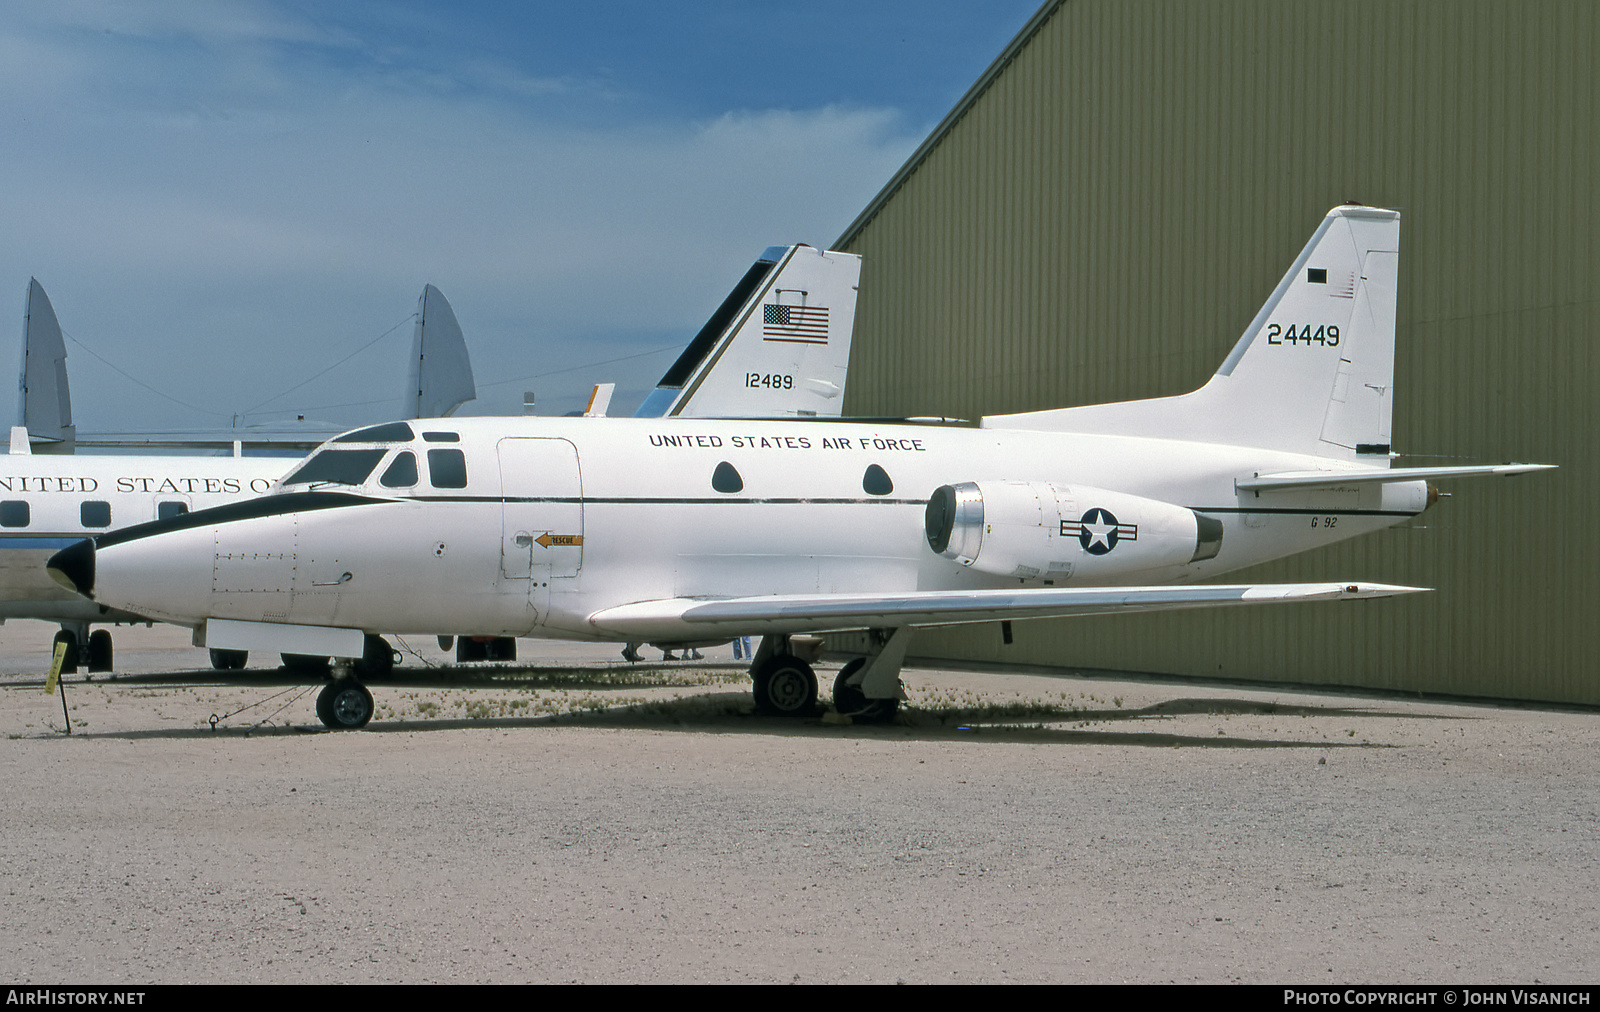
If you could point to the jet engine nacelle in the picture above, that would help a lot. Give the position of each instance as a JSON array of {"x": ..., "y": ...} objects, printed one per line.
[{"x": 1033, "y": 530}]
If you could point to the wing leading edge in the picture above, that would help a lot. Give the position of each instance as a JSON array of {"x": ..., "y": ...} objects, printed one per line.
[{"x": 797, "y": 613}]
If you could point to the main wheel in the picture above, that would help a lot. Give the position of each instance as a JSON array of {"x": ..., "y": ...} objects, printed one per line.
[
  {"x": 344, "y": 705},
  {"x": 849, "y": 701},
  {"x": 229, "y": 660},
  {"x": 469, "y": 650},
  {"x": 100, "y": 650},
  {"x": 786, "y": 687},
  {"x": 69, "y": 663}
]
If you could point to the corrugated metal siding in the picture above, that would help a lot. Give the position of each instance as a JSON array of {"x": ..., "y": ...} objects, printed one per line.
[{"x": 1111, "y": 211}]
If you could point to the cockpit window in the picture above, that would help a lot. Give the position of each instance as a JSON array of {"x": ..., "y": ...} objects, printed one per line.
[
  {"x": 402, "y": 473},
  {"x": 336, "y": 467},
  {"x": 447, "y": 468},
  {"x": 441, "y": 437},
  {"x": 389, "y": 432}
]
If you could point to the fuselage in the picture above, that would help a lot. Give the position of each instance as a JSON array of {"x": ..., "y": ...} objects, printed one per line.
[{"x": 530, "y": 526}]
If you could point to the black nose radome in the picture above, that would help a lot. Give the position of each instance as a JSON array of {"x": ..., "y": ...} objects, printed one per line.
[{"x": 73, "y": 567}]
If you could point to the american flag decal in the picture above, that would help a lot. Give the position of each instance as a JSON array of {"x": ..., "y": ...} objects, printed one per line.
[{"x": 795, "y": 324}]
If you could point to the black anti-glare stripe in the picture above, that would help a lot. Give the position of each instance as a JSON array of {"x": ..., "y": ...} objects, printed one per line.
[{"x": 266, "y": 506}]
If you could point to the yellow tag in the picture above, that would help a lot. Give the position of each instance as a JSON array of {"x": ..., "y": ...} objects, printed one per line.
[{"x": 55, "y": 668}]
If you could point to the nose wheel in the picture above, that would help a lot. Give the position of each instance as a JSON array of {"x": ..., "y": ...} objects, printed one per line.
[{"x": 344, "y": 705}]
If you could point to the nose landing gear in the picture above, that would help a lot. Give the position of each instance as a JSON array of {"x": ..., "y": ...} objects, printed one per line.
[{"x": 344, "y": 705}]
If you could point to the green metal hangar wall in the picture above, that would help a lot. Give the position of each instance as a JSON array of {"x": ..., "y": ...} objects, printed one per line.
[{"x": 1107, "y": 208}]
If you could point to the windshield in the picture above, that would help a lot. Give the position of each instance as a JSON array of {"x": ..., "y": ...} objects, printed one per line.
[{"x": 336, "y": 467}]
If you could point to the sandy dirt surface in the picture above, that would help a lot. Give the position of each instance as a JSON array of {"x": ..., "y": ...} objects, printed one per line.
[{"x": 576, "y": 818}]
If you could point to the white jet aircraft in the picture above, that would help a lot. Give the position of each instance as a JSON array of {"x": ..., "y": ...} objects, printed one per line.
[
  {"x": 54, "y": 498},
  {"x": 696, "y": 531}
]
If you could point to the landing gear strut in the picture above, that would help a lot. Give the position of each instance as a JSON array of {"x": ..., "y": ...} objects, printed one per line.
[{"x": 867, "y": 689}]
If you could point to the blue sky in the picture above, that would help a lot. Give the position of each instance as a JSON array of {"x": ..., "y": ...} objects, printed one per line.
[{"x": 224, "y": 198}]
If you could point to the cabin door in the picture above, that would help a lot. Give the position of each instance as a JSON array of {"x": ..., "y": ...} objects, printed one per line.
[{"x": 541, "y": 531}]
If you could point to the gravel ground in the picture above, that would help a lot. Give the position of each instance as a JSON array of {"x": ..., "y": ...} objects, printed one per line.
[{"x": 581, "y": 819}]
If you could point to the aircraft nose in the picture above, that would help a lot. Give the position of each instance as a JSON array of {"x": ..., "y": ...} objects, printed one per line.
[{"x": 73, "y": 567}]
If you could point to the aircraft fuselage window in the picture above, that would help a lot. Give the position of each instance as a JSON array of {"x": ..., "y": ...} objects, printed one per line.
[
  {"x": 389, "y": 432},
  {"x": 401, "y": 473},
  {"x": 876, "y": 481},
  {"x": 441, "y": 437},
  {"x": 168, "y": 510},
  {"x": 336, "y": 467},
  {"x": 94, "y": 514},
  {"x": 13, "y": 513},
  {"x": 447, "y": 468},
  {"x": 726, "y": 478}
]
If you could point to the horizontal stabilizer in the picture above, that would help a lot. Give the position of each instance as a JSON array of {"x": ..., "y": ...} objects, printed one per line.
[
  {"x": 646, "y": 620},
  {"x": 1326, "y": 479}
]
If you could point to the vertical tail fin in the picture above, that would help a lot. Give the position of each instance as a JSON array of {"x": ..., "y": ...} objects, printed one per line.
[
  {"x": 440, "y": 376},
  {"x": 1312, "y": 373},
  {"x": 779, "y": 344},
  {"x": 46, "y": 402}
]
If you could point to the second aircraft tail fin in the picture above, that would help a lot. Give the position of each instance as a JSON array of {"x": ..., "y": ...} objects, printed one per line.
[
  {"x": 778, "y": 346},
  {"x": 439, "y": 379},
  {"x": 46, "y": 402}
]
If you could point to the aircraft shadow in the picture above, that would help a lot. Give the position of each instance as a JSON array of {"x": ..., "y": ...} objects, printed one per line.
[{"x": 723, "y": 711}]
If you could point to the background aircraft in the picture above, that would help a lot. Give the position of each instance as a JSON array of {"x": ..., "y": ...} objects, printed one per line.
[
  {"x": 689, "y": 530},
  {"x": 53, "y": 497}
]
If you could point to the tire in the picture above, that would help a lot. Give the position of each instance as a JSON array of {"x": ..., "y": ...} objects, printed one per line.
[
  {"x": 345, "y": 705},
  {"x": 786, "y": 687},
  {"x": 100, "y": 650},
  {"x": 848, "y": 700},
  {"x": 69, "y": 663},
  {"x": 469, "y": 650},
  {"x": 229, "y": 660}
]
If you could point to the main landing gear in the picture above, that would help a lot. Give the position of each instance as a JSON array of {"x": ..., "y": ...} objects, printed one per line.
[
  {"x": 867, "y": 689},
  {"x": 90, "y": 650}
]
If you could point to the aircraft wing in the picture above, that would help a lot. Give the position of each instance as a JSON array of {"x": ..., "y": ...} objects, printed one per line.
[
  {"x": 797, "y": 613},
  {"x": 1323, "y": 479}
]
